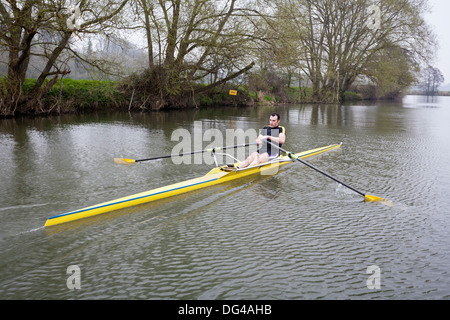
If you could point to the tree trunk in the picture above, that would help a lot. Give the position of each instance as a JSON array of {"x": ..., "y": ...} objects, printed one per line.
[{"x": 148, "y": 33}]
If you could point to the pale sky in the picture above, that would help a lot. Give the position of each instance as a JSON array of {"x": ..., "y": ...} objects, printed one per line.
[{"x": 439, "y": 19}]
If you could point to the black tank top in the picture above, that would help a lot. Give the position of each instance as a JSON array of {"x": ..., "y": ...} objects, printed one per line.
[{"x": 273, "y": 132}]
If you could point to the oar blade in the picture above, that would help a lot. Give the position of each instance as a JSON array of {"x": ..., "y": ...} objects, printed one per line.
[
  {"x": 370, "y": 198},
  {"x": 124, "y": 161}
]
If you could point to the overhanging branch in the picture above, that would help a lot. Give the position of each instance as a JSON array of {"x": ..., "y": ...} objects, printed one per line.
[{"x": 224, "y": 80}]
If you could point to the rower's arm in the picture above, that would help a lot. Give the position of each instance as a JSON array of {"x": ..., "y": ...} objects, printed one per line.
[{"x": 281, "y": 139}]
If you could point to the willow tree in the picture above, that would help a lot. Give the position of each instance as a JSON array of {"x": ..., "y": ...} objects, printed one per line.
[
  {"x": 341, "y": 38},
  {"x": 46, "y": 29},
  {"x": 191, "y": 42}
]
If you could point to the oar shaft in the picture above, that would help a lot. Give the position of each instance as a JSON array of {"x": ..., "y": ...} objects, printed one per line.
[
  {"x": 291, "y": 155},
  {"x": 196, "y": 152},
  {"x": 326, "y": 174},
  {"x": 170, "y": 156}
]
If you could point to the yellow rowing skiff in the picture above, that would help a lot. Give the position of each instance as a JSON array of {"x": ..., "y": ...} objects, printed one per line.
[{"x": 216, "y": 176}]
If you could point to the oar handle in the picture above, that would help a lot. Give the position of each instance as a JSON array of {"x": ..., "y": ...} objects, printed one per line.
[{"x": 229, "y": 147}]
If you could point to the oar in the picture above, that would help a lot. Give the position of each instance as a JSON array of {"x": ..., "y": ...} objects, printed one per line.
[
  {"x": 367, "y": 197},
  {"x": 129, "y": 161}
]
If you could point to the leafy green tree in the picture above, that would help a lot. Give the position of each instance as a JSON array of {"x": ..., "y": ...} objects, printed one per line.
[{"x": 392, "y": 71}]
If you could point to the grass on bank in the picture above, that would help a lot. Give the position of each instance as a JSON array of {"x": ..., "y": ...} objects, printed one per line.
[
  {"x": 82, "y": 94},
  {"x": 304, "y": 95}
]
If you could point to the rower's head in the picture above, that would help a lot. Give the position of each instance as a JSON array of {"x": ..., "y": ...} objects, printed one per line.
[{"x": 274, "y": 120}]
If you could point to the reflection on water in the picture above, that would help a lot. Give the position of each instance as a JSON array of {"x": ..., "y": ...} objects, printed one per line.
[{"x": 295, "y": 235}]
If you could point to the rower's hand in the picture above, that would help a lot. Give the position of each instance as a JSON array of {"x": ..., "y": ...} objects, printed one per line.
[{"x": 260, "y": 140}]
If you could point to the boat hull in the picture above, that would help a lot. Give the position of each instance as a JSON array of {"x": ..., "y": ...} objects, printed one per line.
[{"x": 215, "y": 176}]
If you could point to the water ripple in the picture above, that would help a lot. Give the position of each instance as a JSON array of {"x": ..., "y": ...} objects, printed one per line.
[{"x": 296, "y": 235}]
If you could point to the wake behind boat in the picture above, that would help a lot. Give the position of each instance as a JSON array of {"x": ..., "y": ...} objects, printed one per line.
[{"x": 217, "y": 175}]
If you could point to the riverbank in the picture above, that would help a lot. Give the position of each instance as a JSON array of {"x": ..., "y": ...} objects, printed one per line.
[
  {"x": 422, "y": 93},
  {"x": 74, "y": 96}
]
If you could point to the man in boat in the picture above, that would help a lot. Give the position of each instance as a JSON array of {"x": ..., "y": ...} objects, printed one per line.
[{"x": 274, "y": 133}]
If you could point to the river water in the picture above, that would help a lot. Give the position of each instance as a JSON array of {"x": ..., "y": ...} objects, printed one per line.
[{"x": 294, "y": 235}]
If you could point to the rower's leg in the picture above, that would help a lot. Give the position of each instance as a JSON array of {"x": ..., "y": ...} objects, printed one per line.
[
  {"x": 255, "y": 160},
  {"x": 262, "y": 158},
  {"x": 251, "y": 158}
]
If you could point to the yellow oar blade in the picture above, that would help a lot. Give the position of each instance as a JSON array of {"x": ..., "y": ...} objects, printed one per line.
[
  {"x": 124, "y": 161},
  {"x": 369, "y": 198}
]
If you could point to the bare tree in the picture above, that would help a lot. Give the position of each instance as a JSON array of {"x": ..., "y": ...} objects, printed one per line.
[
  {"x": 192, "y": 41},
  {"x": 340, "y": 38},
  {"x": 45, "y": 28},
  {"x": 430, "y": 80}
]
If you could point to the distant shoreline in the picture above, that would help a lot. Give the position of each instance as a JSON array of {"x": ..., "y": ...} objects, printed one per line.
[{"x": 422, "y": 93}]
